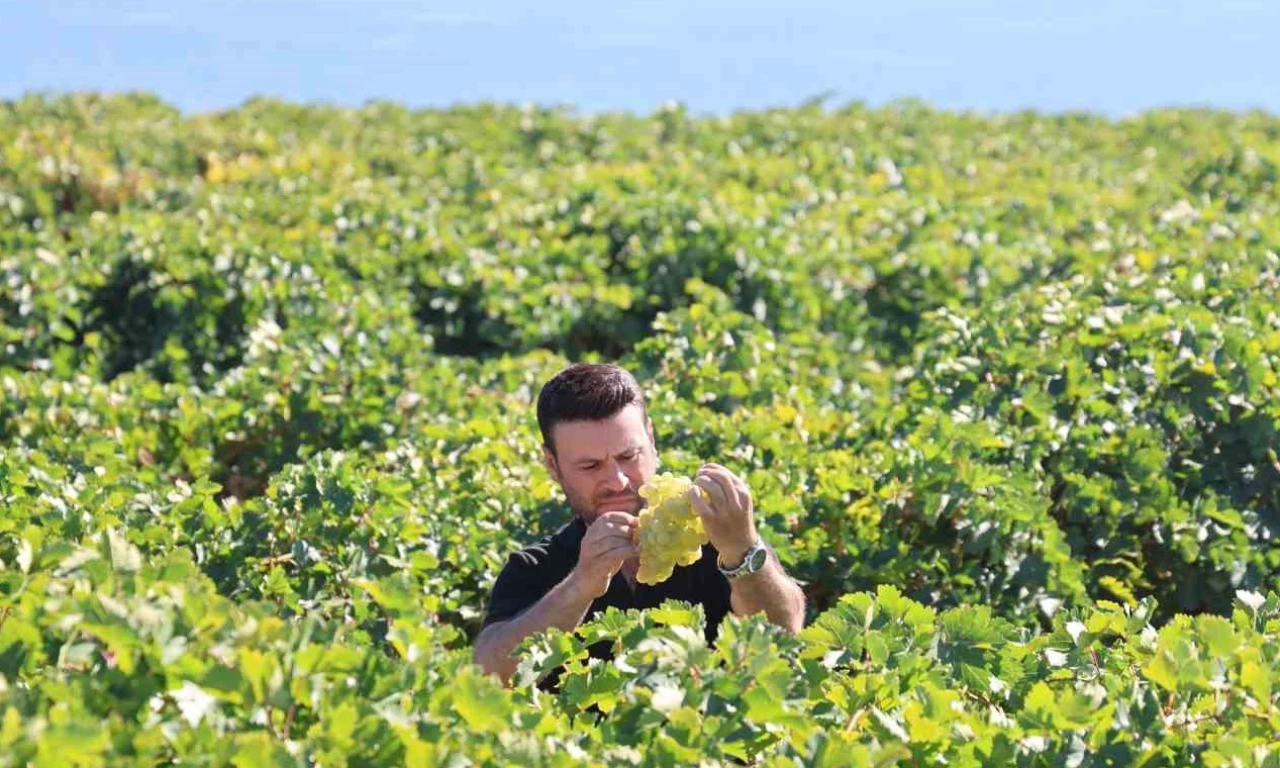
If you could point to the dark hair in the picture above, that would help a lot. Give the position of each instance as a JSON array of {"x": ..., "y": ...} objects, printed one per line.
[{"x": 585, "y": 392}]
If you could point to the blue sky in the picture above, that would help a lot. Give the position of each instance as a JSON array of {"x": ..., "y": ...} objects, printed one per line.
[{"x": 1114, "y": 57}]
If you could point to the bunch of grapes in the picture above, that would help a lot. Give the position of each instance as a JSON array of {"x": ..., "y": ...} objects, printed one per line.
[{"x": 670, "y": 532}]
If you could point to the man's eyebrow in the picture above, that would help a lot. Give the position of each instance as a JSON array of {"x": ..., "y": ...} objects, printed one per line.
[{"x": 633, "y": 448}]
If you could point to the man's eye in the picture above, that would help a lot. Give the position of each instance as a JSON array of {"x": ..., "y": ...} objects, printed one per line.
[{"x": 590, "y": 467}]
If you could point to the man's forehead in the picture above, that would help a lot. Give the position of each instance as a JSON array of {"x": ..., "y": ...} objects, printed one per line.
[{"x": 598, "y": 438}]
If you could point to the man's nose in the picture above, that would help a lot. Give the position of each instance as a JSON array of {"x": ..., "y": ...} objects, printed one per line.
[{"x": 617, "y": 479}]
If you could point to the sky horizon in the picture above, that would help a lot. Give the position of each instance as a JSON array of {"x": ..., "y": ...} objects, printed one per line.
[{"x": 1111, "y": 59}]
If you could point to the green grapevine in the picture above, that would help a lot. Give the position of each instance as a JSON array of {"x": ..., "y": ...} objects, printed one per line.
[{"x": 1005, "y": 389}]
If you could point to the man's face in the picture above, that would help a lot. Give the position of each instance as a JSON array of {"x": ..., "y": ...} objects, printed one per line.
[{"x": 602, "y": 464}]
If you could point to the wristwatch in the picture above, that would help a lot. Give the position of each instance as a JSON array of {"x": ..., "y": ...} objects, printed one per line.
[{"x": 752, "y": 561}]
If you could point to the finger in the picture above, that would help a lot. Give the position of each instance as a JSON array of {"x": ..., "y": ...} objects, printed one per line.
[
  {"x": 716, "y": 469},
  {"x": 619, "y": 551},
  {"x": 599, "y": 530},
  {"x": 615, "y": 516},
  {"x": 614, "y": 525},
  {"x": 604, "y": 543},
  {"x": 723, "y": 475},
  {"x": 741, "y": 490},
  {"x": 729, "y": 485},
  {"x": 737, "y": 481},
  {"x": 714, "y": 494},
  {"x": 620, "y": 535},
  {"x": 700, "y": 505}
]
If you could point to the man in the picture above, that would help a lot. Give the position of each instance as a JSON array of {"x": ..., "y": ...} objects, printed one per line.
[{"x": 598, "y": 444}]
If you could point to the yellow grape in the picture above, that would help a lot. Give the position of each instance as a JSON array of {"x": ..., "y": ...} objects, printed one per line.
[{"x": 670, "y": 532}]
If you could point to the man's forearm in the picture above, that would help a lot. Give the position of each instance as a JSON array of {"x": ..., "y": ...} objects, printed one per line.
[
  {"x": 771, "y": 591},
  {"x": 563, "y": 607}
]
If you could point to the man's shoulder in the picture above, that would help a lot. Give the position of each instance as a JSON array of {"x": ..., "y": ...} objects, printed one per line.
[
  {"x": 558, "y": 546},
  {"x": 532, "y": 570}
]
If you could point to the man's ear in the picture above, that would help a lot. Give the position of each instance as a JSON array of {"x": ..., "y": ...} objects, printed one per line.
[
  {"x": 549, "y": 459},
  {"x": 657, "y": 460}
]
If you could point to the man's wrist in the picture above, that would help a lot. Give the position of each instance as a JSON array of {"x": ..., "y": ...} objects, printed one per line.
[
  {"x": 577, "y": 587},
  {"x": 735, "y": 556},
  {"x": 732, "y": 558}
]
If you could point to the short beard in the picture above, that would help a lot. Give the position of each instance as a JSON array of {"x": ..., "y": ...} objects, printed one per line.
[{"x": 586, "y": 509}]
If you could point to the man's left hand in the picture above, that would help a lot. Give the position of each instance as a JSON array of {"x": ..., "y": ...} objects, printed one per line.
[{"x": 723, "y": 501}]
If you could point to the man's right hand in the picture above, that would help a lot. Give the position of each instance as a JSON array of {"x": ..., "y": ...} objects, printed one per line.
[
  {"x": 605, "y": 547},
  {"x": 608, "y": 543}
]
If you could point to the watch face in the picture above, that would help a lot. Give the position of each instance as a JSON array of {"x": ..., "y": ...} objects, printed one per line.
[{"x": 756, "y": 561}]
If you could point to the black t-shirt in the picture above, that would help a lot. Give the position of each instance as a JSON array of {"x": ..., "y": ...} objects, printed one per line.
[{"x": 531, "y": 572}]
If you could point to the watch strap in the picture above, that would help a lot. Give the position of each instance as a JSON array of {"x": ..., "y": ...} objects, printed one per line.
[{"x": 747, "y": 558}]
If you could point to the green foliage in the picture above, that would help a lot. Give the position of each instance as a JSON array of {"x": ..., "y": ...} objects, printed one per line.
[{"x": 1004, "y": 389}]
